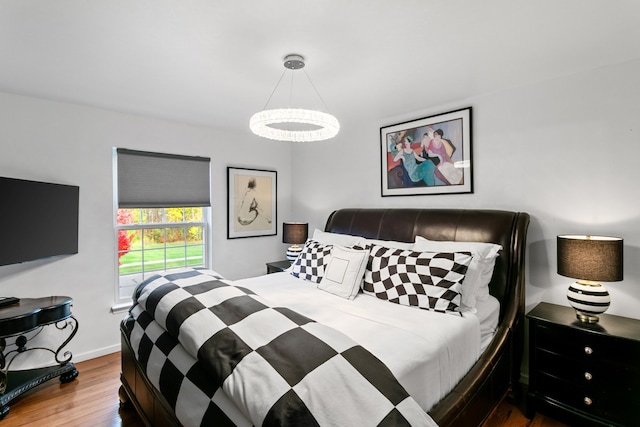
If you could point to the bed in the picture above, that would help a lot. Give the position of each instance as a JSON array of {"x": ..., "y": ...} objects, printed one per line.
[{"x": 489, "y": 373}]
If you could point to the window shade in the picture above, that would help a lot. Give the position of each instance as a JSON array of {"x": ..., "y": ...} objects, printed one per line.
[{"x": 154, "y": 180}]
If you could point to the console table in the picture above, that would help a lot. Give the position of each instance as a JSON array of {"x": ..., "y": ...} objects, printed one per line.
[{"x": 19, "y": 324}]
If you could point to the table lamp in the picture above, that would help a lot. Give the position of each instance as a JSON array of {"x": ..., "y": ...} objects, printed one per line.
[
  {"x": 590, "y": 259},
  {"x": 294, "y": 233}
]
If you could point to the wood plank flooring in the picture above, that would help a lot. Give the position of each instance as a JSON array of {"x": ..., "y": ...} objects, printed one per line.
[
  {"x": 89, "y": 400},
  {"x": 508, "y": 415},
  {"x": 92, "y": 401}
]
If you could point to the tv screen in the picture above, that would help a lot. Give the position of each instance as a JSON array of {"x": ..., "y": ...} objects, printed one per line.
[{"x": 39, "y": 220}]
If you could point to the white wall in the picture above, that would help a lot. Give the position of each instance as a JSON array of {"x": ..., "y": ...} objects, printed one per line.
[
  {"x": 565, "y": 151},
  {"x": 68, "y": 144}
]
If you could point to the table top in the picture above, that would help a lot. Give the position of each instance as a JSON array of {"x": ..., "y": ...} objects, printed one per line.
[
  {"x": 29, "y": 313},
  {"x": 282, "y": 263},
  {"x": 608, "y": 324}
]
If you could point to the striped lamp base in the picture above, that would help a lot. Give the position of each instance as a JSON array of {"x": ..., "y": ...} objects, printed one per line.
[
  {"x": 588, "y": 300},
  {"x": 293, "y": 251}
]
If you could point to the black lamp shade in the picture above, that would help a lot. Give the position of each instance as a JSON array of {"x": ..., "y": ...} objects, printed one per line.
[
  {"x": 294, "y": 232},
  {"x": 594, "y": 258}
]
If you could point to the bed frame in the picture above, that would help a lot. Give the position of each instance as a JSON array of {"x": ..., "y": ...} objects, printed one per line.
[{"x": 496, "y": 373}]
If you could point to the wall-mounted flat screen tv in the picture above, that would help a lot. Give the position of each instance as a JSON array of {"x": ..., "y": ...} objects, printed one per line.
[{"x": 37, "y": 219}]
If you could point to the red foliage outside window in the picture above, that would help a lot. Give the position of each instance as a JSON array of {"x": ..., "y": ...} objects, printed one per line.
[{"x": 124, "y": 238}]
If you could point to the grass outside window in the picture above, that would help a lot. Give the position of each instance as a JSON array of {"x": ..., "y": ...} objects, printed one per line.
[{"x": 153, "y": 257}]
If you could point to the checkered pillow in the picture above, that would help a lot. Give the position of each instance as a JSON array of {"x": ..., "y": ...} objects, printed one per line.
[
  {"x": 311, "y": 262},
  {"x": 429, "y": 280}
]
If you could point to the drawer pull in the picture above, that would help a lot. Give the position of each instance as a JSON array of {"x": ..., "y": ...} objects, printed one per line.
[
  {"x": 588, "y": 350},
  {"x": 588, "y": 376},
  {"x": 588, "y": 401}
]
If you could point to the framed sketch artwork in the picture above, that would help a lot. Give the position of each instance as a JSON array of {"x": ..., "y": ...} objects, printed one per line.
[
  {"x": 431, "y": 155},
  {"x": 251, "y": 200}
]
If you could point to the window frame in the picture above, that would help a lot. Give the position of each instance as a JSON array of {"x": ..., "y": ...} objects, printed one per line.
[{"x": 205, "y": 224}]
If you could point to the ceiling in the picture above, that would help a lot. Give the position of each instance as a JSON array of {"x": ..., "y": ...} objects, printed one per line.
[{"x": 215, "y": 62}]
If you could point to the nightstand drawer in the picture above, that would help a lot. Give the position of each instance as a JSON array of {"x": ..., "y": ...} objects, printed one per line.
[
  {"x": 616, "y": 382},
  {"x": 604, "y": 404},
  {"x": 586, "y": 346}
]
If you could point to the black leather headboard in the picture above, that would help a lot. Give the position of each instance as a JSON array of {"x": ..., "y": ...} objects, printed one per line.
[{"x": 505, "y": 228}]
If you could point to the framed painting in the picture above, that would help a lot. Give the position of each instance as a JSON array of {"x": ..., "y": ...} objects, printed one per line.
[
  {"x": 251, "y": 202},
  {"x": 431, "y": 155}
]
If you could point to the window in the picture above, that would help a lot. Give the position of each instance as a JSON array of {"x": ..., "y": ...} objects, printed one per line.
[
  {"x": 161, "y": 215},
  {"x": 159, "y": 239}
]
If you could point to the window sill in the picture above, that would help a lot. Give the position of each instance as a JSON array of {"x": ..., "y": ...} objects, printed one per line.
[{"x": 122, "y": 307}]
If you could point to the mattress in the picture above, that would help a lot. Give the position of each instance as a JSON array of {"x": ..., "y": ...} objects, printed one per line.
[{"x": 428, "y": 352}]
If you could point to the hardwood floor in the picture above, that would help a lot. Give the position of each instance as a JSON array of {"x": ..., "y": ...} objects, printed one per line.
[
  {"x": 89, "y": 400},
  {"x": 92, "y": 400},
  {"x": 508, "y": 415}
]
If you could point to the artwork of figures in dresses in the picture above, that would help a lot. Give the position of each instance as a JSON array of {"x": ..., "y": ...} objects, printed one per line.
[
  {"x": 253, "y": 203},
  {"x": 425, "y": 156}
]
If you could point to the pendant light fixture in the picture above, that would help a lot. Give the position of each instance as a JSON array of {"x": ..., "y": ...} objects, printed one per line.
[{"x": 294, "y": 124}]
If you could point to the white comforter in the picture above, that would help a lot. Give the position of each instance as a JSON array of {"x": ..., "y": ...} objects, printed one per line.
[{"x": 428, "y": 352}]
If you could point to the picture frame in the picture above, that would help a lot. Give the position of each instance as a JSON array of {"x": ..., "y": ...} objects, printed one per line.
[
  {"x": 441, "y": 162},
  {"x": 251, "y": 202}
]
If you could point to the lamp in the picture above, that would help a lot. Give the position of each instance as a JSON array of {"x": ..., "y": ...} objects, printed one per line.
[
  {"x": 296, "y": 124},
  {"x": 294, "y": 233},
  {"x": 589, "y": 259}
]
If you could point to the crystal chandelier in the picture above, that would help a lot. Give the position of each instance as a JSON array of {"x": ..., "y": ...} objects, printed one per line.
[{"x": 294, "y": 124}]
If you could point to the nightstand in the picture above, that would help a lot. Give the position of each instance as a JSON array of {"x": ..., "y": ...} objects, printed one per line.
[
  {"x": 585, "y": 374},
  {"x": 278, "y": 266}
]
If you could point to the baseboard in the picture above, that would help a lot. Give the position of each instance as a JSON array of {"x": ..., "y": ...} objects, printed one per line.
[{"x": 96, "y": 353}]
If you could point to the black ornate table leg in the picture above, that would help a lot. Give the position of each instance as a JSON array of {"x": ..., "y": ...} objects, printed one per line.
[
  {"x": 4, "y": 410},
  {"x": 3, "y": 374},
  {"x": 63, "y": 325}
]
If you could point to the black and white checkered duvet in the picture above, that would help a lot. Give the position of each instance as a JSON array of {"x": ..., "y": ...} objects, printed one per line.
[{"x": 220, "y": 352}]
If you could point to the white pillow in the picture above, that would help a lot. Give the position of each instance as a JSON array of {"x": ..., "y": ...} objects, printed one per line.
[
  {"x": 350, "y": 240},
  {"x": 344, "y": 274},
  {"x": 336, "y": 238},
  {"x": 476, "y": 283},
  {"x": 390, "y": 244}
]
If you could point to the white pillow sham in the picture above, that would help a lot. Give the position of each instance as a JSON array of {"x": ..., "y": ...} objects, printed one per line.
[
  {"x": 336, "y": 238},
  {"x": 344, "y": 274},
  {"x": 390, "y": 244},
  {"x": 327, "y": 238},
  {"x": 476, "y": 283}
]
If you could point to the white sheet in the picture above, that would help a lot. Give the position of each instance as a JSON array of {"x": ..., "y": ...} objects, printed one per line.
[
  {"x": 428, "y": 352},
  {"x": 488, "y": 312}
]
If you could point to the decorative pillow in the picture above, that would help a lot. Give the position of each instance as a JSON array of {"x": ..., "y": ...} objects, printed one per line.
[
  {"x": 337, "y": 238},
  {"x": 344, "y": 273},
  {"x": 311, "y": 262},
  {"x": 429, "y": 280},
  {"x": 476, "y": 285}
]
